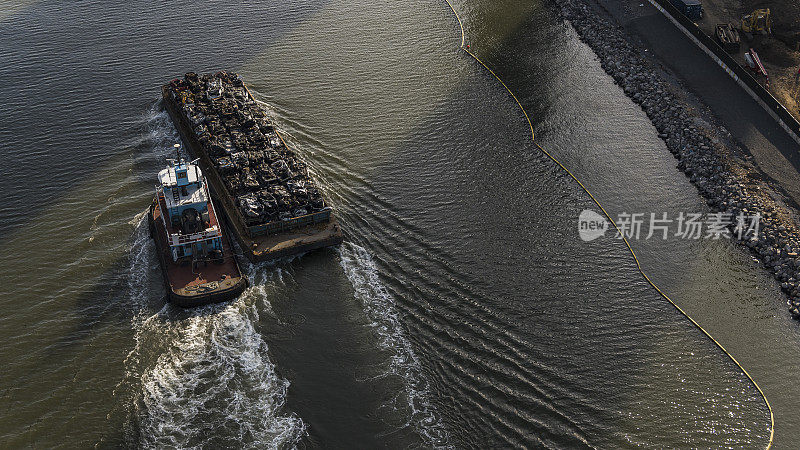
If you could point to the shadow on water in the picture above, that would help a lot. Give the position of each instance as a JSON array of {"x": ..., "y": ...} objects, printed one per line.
[
  {"x": 529, "y": 337},
  {"x": 102, "y": 306},
  {"x": 78, "y": 74},
  {"x": 322, "y": 341}
]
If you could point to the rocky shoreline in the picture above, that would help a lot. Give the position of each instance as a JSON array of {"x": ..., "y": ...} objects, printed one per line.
[{"x": 727, "y": 183}]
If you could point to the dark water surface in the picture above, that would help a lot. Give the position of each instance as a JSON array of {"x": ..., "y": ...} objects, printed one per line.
[{"x": 463, "y": 310}]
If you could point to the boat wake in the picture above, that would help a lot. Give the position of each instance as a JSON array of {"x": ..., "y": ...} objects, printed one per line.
[
  {"x": 381, "y": 310},
  {"x": 203, "y": 377},
  {"x": 212, "y": 383},
  {"x": 200, "y": 377}
]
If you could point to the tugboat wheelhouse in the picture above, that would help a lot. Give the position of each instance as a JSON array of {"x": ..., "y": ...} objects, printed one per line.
[{"x": 190, "y": 223}]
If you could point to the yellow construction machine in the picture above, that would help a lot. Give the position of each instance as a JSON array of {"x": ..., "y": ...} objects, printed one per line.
[{"x": 758, "y": 21}]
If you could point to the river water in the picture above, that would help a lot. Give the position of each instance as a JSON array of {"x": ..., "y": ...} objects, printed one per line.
[{"x": 462, "y": 310}]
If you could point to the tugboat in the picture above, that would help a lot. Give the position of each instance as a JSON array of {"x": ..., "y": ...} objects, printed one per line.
[{"x": 195, "y": 255}]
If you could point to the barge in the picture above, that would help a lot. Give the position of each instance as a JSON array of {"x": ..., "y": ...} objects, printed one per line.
[
  {"x": 272, "y": 206},
  {"x": 196, "y": 258}
]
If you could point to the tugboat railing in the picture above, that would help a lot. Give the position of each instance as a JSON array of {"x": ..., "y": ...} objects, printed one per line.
[
  {"x": 159, "y": 196},
  {"x": 182, "y": 239},
  {"x": 211, "y": 204}
]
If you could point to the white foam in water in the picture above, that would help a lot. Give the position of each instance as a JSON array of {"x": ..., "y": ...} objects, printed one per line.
[
  {"x": 198, "y": 378},
  {"x": 381, "y": 310},
  {"x": 142, "y": 261},
  {"x": 213, "y": 384},
  {"x": 158, "y": 140}
]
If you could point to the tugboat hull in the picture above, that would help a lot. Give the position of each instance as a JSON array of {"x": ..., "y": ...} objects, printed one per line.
[{"x": 189, "y": 286}]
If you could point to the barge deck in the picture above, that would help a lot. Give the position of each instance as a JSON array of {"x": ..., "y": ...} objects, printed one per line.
[{"x": 271, "y": 239}]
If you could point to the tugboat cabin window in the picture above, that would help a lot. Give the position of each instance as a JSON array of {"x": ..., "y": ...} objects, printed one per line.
[{"x": 183, "y": 175}]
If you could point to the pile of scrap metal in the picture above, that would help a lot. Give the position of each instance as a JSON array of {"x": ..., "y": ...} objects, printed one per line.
[
  {"x": 268, "y": 181},
  {"x": 728, "y": 37}
]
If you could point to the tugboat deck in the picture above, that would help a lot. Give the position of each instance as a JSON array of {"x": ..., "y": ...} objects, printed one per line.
[{"x": 206, "y": 283}]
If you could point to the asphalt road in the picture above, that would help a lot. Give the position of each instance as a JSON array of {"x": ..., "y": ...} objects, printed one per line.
[{"x": 773, "y": 150}]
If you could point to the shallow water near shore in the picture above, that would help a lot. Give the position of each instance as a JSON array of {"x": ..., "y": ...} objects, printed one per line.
[{"x": 463, "y": 310}]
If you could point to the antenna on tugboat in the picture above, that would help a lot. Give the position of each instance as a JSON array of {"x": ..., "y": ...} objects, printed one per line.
[{"x": 177, "y": 148}]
